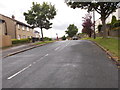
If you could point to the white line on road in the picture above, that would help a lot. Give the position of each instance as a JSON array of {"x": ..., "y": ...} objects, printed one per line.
[
  {"x": 24, "y": 69},
  {"x": 57, "y": 48},
  {"x": 19, "y": 72},
  {"x": 34, "y": 62},
  {"x": 46, "y": 55},
  {"x": 64, "y": 46}
]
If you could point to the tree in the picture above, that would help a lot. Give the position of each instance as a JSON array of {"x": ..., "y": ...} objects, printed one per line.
[
  {"x": 99, "y": 28},
  {"x": 87, "y": 25},
  {"x": 71, "y": 30},
  {"x": 103, "y": 8},
  {"x": 63, "y": 37},
  {"x": 40, "y": 16},
  {"x": 114, "y": 20}
]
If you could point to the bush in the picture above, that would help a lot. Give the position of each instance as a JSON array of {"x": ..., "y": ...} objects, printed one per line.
[
  {"x": 114, "y": 20},
  {"x": 99, "y": 27},
  {"x": 21, "y": 41},
  {"x": 116, "y": 24},
  {"x": 64, "y": 38},
  {"x": 47, "y": 39}
]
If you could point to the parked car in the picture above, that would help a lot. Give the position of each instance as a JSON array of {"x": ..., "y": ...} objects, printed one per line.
[{"x": 74, "y": 38}]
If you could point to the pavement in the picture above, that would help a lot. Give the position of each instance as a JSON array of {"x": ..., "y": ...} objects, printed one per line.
[
  {"x": 62, "y": 64},
  {"x": 18, "y": 49}
]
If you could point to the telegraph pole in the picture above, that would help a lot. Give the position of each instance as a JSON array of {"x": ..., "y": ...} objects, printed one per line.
[{"x": 94, "y": 23}]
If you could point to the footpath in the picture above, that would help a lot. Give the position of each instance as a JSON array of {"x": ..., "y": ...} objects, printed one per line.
[{"x": 18, "y": 49}]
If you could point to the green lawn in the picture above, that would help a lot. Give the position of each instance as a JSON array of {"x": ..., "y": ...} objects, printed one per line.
[
  {"x": 111, "y": 44},
  {"x": 37, "y": 43}
]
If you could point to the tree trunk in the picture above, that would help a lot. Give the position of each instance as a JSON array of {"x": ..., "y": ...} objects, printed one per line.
[
  {"x": 104, "y": 28},
  {"x": 42, "y": 33},
  {"x": 90, "y": 33}
]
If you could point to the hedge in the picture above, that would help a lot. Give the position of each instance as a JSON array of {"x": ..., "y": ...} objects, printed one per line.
[
  {"x": 21, "y": 41},
  {"x": 47, "y": 39},
  {"x": 116, "y": 28}
]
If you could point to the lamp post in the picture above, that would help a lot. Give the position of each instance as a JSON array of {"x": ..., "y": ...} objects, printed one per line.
[
  {"x": 94, "y": 23},
  {"x": 57, "y": 36},
  {"x": 94, "y": 1}
]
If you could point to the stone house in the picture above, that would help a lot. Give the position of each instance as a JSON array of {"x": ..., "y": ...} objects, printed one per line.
[{"x": 16, "y": 29}]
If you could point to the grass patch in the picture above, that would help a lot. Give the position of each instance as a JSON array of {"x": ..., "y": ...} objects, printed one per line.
[
  {"x": 111, "y": 44},
  {"x": 37, "y": 43}
]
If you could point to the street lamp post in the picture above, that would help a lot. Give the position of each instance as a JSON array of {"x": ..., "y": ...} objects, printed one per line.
[
  {"x": 57, "y": 36},
  {"x": 94, "y": 23}
]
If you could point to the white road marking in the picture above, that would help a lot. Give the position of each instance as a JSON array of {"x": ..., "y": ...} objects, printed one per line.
[
  {"x": 64, "y": 46},
  {"x": 34, "y": 62},
  {"x": 19, "y": 72},
  {"x": 25, "y": 68},
  {"x": 57, "y": 48},
  {"x": 46, "y": 55}
]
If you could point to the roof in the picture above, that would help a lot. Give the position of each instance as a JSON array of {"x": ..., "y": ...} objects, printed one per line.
[{"x": 18, "y": 22}]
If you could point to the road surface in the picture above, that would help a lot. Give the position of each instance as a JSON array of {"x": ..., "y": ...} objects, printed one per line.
[{"x": 62, "y": 64}]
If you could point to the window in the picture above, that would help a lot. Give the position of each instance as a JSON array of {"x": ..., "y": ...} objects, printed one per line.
[
  {"x": 23, "y": 28},
  {"x": 31, "y": 29},
  {"x": 19, "y": 37},
  {"x": 24, "y": 36},
  {"x": 18, "y": 26},
  {"x": 27, "y": 28}
]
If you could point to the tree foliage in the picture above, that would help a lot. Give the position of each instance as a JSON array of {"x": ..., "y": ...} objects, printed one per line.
[
  {"x": 63, "y": 37},
  {"x": 103, "y": 8},
  {"x": 40, "y": 15},
  {"x": 87, "y": 25},
  {"x": 72, "y": 30},
  {"x": 99, "y": 28},
  {"x": 114, "y": 20}
]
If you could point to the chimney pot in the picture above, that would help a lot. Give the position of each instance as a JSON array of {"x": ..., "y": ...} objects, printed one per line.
[{"x": 13, "y": 17}]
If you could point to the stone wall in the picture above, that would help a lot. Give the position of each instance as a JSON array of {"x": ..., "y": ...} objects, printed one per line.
[{"x": 5, "y": 41}]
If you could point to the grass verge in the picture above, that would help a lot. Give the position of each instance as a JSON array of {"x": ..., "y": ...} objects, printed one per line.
[
  {"x": 110, "y": 44},
  {"x": 38, "y": 43}
]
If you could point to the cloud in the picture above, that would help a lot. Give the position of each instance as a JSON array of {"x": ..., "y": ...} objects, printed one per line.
[{"x": 65, "y": 15}]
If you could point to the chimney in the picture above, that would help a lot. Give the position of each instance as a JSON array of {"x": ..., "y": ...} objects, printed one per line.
[{"x": 13, "y": 17}]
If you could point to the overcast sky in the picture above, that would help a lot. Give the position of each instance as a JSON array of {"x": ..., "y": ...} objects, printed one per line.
[{"x": 65, "y": 15}]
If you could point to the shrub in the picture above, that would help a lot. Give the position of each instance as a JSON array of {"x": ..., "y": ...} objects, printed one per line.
[
  {"x": 116, "y": 24},
  {"x": 47, "y": 39},
  {"x": 113, "y": 21},
  {"x": 99, "y": 28},
  {"x": 21, "y": 41},
  {"x": 64, "y": 38}
]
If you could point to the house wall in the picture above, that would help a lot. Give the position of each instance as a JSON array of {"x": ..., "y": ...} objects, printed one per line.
[
  {"x": 2, "y": 28},
  {"x": 5, "y": 40},
  {"x": 10, "y": 26},
  {"x": 17, "y": 32},
  {"x": 27, "y": 32}
]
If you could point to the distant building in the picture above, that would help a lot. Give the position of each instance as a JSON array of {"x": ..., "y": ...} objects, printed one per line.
[
  {"x": 15, "y": 29},
  {"x": 37, "y": 34},
  {"x": 108, "y": 20},
  {"x": 116, "y": 14}
]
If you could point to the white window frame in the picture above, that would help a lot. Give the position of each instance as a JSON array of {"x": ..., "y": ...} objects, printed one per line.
[
  {"x": 23, "y": 27},
  {"x": 28, "y": 29},
  {"x": 18, "y": 26},
  {"x": 19, "y": 37}
]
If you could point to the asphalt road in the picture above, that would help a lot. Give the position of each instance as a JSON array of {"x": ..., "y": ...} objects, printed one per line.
[{"x": 62, "y": 64}]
